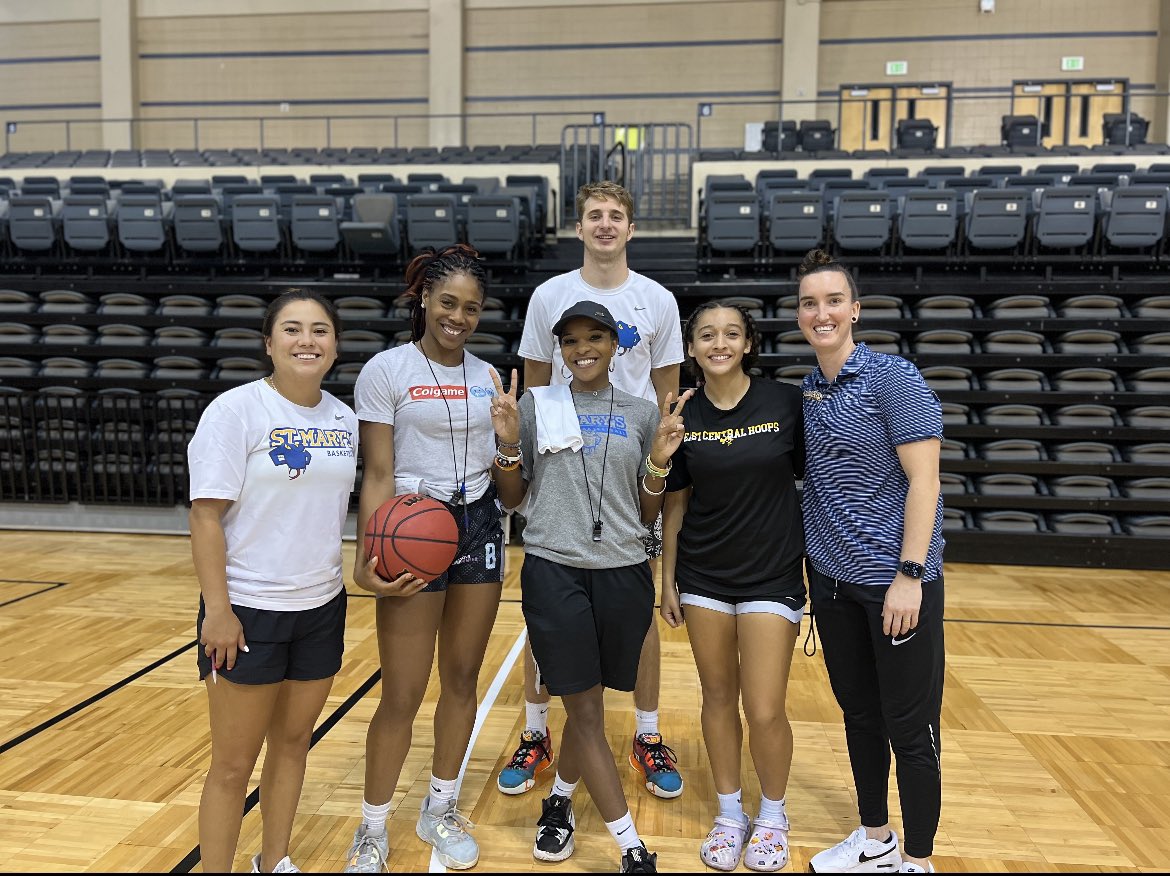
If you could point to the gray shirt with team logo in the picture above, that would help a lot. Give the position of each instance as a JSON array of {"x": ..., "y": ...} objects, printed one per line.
[{"x": 562, "y": 509}]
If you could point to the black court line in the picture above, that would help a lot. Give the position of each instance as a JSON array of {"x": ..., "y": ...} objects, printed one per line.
[
  {"x": 73, "y": 710},
  {"x": 192, "y": 857},
  {"x": 49, "y": 585}
]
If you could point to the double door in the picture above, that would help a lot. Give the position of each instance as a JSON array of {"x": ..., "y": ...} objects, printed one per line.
[
  {"x": 868, "y": 115},
  {"x": 1071, "y": 112}
]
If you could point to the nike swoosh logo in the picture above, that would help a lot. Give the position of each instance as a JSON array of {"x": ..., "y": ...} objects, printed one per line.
[
  {"x": 894, "y": 641},
  {"x": 623, "y": 830},
  {"x": 639, "y": 309},
  {"x": 338, "y": 417},
  {"x": 863, "y": 858}
]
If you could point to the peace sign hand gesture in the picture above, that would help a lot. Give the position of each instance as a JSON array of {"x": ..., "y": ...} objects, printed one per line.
[
  {"x": 505, "y": 413},
  {"x": 670, "y": 431}
]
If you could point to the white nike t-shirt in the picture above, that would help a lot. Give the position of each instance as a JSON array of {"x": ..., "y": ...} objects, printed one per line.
[
  {"x": 649, "y": 333},
  {"x": 289, "y": 472}
]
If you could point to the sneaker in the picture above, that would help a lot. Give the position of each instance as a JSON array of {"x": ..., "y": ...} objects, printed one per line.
[
  {"x": 284, "y": 865},
  {"x": 554, "y": 830},
  {"x": 533, "y": 756},
  {"x": 656, "y": 761},
  {"x": 724, "y": 844},
  {"x": 767, "y": 850},
  {"x": 911, "y": 867},
  {"x": 447, "y": 830},
  {"x": 368, "y": 854},
  {"x": 857, "y": 854},
  {"x": 639, "y": 860}
]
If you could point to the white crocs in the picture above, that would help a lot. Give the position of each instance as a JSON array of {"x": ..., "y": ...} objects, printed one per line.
[
  {"x": 767, "y": 850},
  {"x": 724, "y": 844}
]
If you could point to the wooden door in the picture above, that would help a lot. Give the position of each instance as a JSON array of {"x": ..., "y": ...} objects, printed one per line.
[
  {"x": 924, "y": 102},
  {"x": 1047, "y": 101},
  {"x": 1087, "y": 107},
  {"x": 866, "y": 117}
]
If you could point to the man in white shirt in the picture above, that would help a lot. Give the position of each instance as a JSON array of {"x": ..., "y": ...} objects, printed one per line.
[{"x": 647, "y": 365}]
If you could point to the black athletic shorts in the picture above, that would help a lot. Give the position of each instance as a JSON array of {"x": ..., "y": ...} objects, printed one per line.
[
  {"x": 283, "y": 645},
  {"x": 480, "y": 557},
  {"x": 586, "y": 626}
]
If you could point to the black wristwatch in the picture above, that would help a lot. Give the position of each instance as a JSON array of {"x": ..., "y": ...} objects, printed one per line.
[{"x": 911, "y": 569}]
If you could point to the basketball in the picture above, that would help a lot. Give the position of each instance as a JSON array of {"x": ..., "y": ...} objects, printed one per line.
[{"x": 412, "y": 533}]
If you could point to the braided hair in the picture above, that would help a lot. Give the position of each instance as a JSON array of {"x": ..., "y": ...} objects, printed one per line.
[
  {"x": 816, "y": 261},
  {"x": 749, "y": 327},
  {"x": 430, "y": 267}
]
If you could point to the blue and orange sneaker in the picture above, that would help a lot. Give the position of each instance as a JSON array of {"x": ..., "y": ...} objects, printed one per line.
[
  {"x": 656, "y": 761},
  {"x": 533, "y": 756}
]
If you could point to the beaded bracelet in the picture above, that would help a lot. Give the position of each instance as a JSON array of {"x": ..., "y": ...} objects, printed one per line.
[
  {"x": 650, "y": 492},
  {"x": 655, "y": 471}
]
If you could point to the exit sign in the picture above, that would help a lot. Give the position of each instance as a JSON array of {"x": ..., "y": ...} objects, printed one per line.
[
  {"x": 1072, "y": 63},
  {"x": 897, "y": 68}
]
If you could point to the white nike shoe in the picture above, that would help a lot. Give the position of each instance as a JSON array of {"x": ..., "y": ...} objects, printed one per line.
[{"x": 859, "y": 854}]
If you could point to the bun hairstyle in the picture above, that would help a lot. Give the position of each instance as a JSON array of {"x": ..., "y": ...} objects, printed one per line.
[
  {"x": 749, "y": 327},
  {"x": 817, "y": 261},
  {"x": 430, "y": 267}
]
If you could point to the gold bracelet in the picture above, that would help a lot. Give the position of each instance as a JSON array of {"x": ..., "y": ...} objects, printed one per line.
[{"x": 657, "y": 472}]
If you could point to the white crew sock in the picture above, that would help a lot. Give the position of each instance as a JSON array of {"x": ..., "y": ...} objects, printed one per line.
[
  {"x": 563, "y": 788},
  {"x": 536, "y": 717},
  {"x": 374, "y": 817},
  {"x": 773, "y": 810},
  {"x": 441, "y": 794},
  {"x": 623, "y": 832},
  {"x": 731, "y": 805},
  {"x": 647, "y": 721}
]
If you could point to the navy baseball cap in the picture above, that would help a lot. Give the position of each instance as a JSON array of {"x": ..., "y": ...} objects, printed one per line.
[{"x": 586, "y": 310}]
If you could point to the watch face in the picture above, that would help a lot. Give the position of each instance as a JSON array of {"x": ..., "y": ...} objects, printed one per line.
[{"x": 912, "y": 570}]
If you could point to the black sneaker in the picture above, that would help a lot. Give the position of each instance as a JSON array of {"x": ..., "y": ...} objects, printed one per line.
[
  {"x": 554, "y": 831},
  {"x": 638, "y": 860}
]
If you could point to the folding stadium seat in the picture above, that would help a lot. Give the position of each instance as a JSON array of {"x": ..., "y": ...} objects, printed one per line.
[
  {"x": 179, "y": 336},
  {"x": 793, "y": 374},
  {"x": 16, "y": 301},
  {"x": 1013, "y": 449},
  {"x": 494, "y": 310},
  {"x": 1153, "y": 306},
  {"x": 1155, "y": 379},
  {"x": 861, "y": 220},
  {"x": 1066, "y": 217},
  {"x": 14, "y": 366},
  {"x": 66, "y": 334},
  {"x": 946, "y": 307},
  {"x": 327, "y": 180},
  {"x": 1090, "y": 342},
  {"x": 1152, "y": 453},
  {"x": 1009, "y": 484},
  {"x": 32, "y": 225},
  {"x": 795, "y": 221},
  {"x": 944, "y": 377},
  {"x": 880, "y": 340},
  {"x": 999, "y": 172},
  {"x": 952, "y": 449},
  {"x": 141, "y": 225},
  {"x": 1087, "y": 380},
  {"x": 1083, "y": 486},
  {"x": 346, "y": 373},
  {"x": 180, "y": 368},
  {"x": 792, "y": 343},
  {"x": 927, "y": 219},
  {"x": 240, "y": 306},
  {"x": 13, "y": 333},
  {"x": 493, "y": 224},
  {"x": 786, "y": 307},
  {"x": 372, "y": 181},
  {"x": 64, "y": 367},
  {"x": 1017, "y": 415},
  {"x": 256, "y": 223},
  {"x": 484, "y": 344},
  {"x": 197, "y": 223},
  {"x": 816, "y": 135},
  {"x": 119, "y": 334},
  {"x": 125, "y": 304},
  {"x": 1149, "y": 417},
  {"x": 732, "y": 222},
  {"x": 1083, "y": 523},
  {"x": 1147, "y": 525},
  {"x": 239, "y": 369},
  {"x": 935, "y": 173},
  {"x": 85, "y": 222},
  {"x": 953, "y": 484},
  {"x": 313, "y": 225},
  {"x": 900, "y": 185},
  {"x": 485, "y": 185},
  {"x": 1147, "y": 488},
  {"x": 1135, "y": 217},
  {"x": 955, "y": 414},
  {"x": 429, "y": 181},
  {"x": 183, "y": 306},
  {"x": 238, "y": 337},
  {"x": 957, "y": 520},
  {"x": 270, "y": 181},
  {"x": 1086, "y": 415},
  {"x": 1021, "y": 307},
  {"x": 539, "y": 185},
  {"x": 1117, "y": 167},
  {"x": 1015, "y": 380},
  {"x": 831, "y": 190},
  {"x": 430, "y": 221},
  {"x": 375, "y": 228},
  {"x": 1086, "y": 452},
  {"x": 1146, "y": 178},
  {"x": 996, "y": 219},
  {"x": 1094, "y": 306},
  {"x": 361, "y": 341},
  {"x": 879, "y": 173},
  {"x": 400, "y": 339},
  {"x": 119, "y": 370},
  {"x": 878, "y": 306},
  {"x": 357, "y": 308},
  {"x": 65, "y": 301},
  {"x": 285, "y": 192},
  {"x": 190, "y": 187}
]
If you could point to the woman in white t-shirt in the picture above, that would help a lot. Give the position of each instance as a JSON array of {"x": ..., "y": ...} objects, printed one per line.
[
  {"x": 425, "y": 412},
  {"x": 272, "y": 467}
]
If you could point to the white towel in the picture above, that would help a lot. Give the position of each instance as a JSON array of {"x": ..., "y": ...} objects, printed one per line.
[{"x": 557, "y": 427}]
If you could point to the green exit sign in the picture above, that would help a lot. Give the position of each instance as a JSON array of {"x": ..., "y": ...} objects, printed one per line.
[
  {"x": 1072, "y": 63},
  {"x": 897, "y": 68}
]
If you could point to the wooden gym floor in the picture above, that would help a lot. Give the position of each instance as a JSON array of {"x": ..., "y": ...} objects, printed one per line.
[{"x": 1056, "y": 727}]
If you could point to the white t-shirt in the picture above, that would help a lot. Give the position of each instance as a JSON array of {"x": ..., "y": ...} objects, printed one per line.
[
  {"x": 398, "y": 387},
  {"x": 649, "y": 334},
  {"x": 289, "y": 472}
]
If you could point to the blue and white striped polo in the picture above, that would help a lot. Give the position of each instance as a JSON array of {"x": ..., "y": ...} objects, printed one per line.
[{"x": 854, "y": 496}]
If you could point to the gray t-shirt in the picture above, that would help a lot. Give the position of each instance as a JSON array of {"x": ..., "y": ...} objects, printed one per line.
[{"x": 560, "y": 523}]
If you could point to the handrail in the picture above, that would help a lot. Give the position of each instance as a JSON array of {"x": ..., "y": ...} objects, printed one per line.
[{"x": 609, "y": 155}]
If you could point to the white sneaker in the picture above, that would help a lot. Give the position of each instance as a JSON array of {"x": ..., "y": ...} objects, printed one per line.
[
  {"x": 447, "y": 830},
  {"x": 368, "y": 854},
  {"x": 858, "y": 854},
  {"x": 911, "y": 867},
  {"x": 284, "y": 865}
]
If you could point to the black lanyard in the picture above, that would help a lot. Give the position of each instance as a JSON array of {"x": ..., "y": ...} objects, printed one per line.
[{"x": 605, "y": 454}]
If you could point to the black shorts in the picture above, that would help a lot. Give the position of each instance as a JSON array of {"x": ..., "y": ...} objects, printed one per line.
[
  {"x": 284, "y": 645},
  {"x": 586, "y": 626},
  {"x": 480, "y": 557}
]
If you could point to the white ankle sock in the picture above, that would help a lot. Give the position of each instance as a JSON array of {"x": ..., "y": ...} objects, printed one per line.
[
  {"x": 563, "y": 788},
  {"x": 773, "y": 810},
  {"x": 442, "y": 792},
  {"x": 536, "y": 717},
  {"x": 374, "y": 817},
  {"x": 623, "y": 832},
  {"x": 731, "y": 805},
  {"x": 647, "y": 721}
]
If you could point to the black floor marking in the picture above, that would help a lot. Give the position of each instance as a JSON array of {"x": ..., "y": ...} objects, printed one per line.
[
  {"x": 192, "y": 857},
  {"x": 73, "y": 710},
  {"x": 49, "y": 585}
]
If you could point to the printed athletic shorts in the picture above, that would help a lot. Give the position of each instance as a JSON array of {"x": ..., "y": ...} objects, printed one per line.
[{"x": 480, "y": 558}]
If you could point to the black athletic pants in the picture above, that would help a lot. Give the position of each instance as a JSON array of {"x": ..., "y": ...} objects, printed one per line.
[{"x": 890, "y": 691}]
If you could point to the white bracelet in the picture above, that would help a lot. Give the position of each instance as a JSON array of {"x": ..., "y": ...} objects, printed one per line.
[{"x": 650, "y": 492}]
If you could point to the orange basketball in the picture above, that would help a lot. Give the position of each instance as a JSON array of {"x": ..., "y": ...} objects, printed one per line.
[{"x": 412, "y": 533}]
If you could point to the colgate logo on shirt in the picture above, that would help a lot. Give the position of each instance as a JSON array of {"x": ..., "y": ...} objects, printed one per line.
[{"x": 452, "y": 392}]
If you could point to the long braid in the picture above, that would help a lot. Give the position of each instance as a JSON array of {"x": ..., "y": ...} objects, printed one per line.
[{"x": 430, "y": 267}]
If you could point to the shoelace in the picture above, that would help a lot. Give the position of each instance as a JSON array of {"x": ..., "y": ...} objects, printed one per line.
[
  {"x": 456, "y": 820},
  {"x": 557, "y": 817},
  {"x": 524, "y": 752},
  {"x": 661, "y": 756},
  {"x": 367, "y": 851}
]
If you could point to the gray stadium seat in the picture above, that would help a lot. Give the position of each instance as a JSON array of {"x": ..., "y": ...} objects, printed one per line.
[
  {"x": 183, "y": 306},
  {"x": 1093, "y": 342},
  {"x": 1015, "y": 342},
  {"x": 1013, "y": 449},
  {"x": 1087, "y": 380},
  {"x": 66, "y": 334},
  {"x": 1083, "y": 523},
  {"x": 1094, "y": 306},
  {"x": 1156, "y": 379},
  {"x": 1009, "y": 521},
  {"x": 32, "y": 223},
  {"x": 493, "y": 224},
  {"x": 375, "y": 228},
  {"x": 123, "y": 335},
  {"x": 944, "y": 377},
  {"x": 733, "y": 221},
  {"x": 1083, "y": 486},
  {"x": 1151, "y": 453},
  {"x": 1147, "y": 488},
  {"x": 1066, "y": 217},
  {"x": 954, "y": 341},
  {"x": 1024, "y": 416},
  {"x": 1015, "y": 380},
  {"x": 313, "y": 223},
  {"x": 861, "y": 220},
  {"x": 880, "y": 340},
  {"x": 65, "y": 301},
  {"x": 1155, "y": 306},
  {"x": 1094, "y": 452},
  {"x": 85, "y": 222},
  {"x": 927, "y": 219},
  {"x": 256, "y": 223},
  {"x": 1148, "y": 526},
  {"x": 430, "y": 221},
  {"x": 880, "y": 307},
  {"x": 141, "y": 225},
  {"x": 180, "y": 336},
  {"x": 1153, "y": 344},
  {"x": 361, "y": 341},
  {"x": 238, "y": 337},
  {"x": 1009, "y": 484},
  {"x": 996, "y": 219},
  {"x": 16, "y": 301},
  {"x": 1021, "y": 307},
  {"x": 125, "y": 303},
  {"x": 1136, "y": 217},
  {"x": 946, "y": 307},
  {"x": 1149, "y": 417},
  {"x": 795, "y": 221},
  {"x": 1086, "y": 415},
  {"x": 197, "y": 223},
  {"x": 240, "y": 306}
]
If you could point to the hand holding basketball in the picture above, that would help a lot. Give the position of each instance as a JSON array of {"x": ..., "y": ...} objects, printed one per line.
[
  {"x": 409, "y": 541},
  {"x": 505, "y": 413},
  {"x": 670, "y": 431},
  {"x": 366, "y": 577}
]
